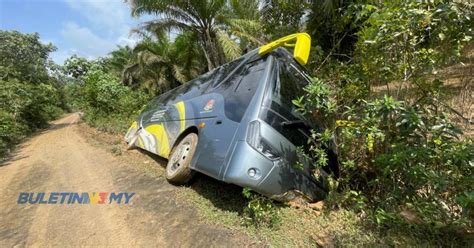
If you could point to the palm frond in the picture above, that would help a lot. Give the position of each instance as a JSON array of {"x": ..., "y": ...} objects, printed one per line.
[
  {"x": 244, "y": 9},
  {"x": 178, "y": 73},
  {"x": 249, "y": 30},
  {"x": 231, "y": 48},
  {"x": 164, "y": 25}
]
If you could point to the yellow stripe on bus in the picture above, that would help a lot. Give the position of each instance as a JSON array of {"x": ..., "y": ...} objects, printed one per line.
[
  {"x": 182, "y": 115},
  {"x": 140, "y": 142},
  {"x": 158, "y": 130},
  {"x": 134, "y": 125}
]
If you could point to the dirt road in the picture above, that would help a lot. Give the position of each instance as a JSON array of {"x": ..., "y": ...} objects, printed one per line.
[{"x": 60, "y": 160}]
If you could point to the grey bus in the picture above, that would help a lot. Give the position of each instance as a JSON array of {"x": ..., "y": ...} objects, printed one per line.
[{"x": 237, "y": 124}]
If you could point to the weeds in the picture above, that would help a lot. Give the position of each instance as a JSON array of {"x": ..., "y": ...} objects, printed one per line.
[
  {"x": 116, "y": 150},
  {"x": 260, "y": 211}
]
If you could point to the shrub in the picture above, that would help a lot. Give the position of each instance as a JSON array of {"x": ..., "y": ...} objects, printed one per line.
[
  {"x": 397, "y": 158},
  {"x": 30, "y": 96},
  {"x": 412, "y": 158},
  {"x": 399, "y": 152},
  {"x": 108, "y": 104},
  {"x": 11, "y": 131},
  {"x": 260, "y": 211}
]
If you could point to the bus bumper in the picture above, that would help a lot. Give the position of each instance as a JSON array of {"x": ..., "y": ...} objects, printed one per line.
[{"x": 276, "y": 179}]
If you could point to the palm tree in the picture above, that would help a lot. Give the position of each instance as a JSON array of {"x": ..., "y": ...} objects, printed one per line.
[
  {"x": 240, "y": 28},
  {"x": 214, "y": 23},
  {"x": 120, "y": 58},
  {"x": 159, "y": 64}
]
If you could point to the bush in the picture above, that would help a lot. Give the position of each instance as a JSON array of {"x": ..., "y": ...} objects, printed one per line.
[
  {"x": 108, "y": 104},
  {"x": 397, "y": 158},
  {"x": 11, "y": 132},
  {"x": 24, "y": 108},
  {"x": 402, "y": 159},
  {"x": 412, "y": 159},
  {"x": 30, "y": 96},
  {"x": 260, "y": 211}
]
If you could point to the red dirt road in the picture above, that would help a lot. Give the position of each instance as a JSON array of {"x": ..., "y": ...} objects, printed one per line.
[{"x": 60, "y": 160}]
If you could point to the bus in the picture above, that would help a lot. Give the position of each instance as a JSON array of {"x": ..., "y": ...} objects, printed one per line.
[{"x": 238, "y": 125}]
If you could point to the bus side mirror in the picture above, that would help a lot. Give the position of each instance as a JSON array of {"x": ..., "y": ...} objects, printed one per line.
[{"x": 302, "y": 46}]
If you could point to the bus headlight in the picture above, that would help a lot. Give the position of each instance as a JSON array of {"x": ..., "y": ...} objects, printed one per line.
[{"x": 258, "y": 143}]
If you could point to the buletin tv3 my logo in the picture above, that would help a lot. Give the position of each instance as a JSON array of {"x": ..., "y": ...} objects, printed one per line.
[{"x": 75, "y": 197}]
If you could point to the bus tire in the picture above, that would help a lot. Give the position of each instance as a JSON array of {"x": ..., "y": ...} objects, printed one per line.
[{"x": 177, "y": 169}]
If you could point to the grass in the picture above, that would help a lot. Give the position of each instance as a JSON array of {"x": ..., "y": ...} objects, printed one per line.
[
  {"x": 223, "y": 205},
  {"x": 110, "y": 124}
]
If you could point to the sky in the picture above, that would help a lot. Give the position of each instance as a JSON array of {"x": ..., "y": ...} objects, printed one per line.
[{"x": 89, "y": 28}]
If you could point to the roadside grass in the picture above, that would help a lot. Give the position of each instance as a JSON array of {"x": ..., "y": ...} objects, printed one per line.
[
  {"x": 223, "y": 205},
  {"x": 111, "y": 124},
  {"x": 140, "y": 161}
]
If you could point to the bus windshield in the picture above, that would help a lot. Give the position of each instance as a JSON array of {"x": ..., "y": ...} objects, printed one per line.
[{"x": 278, "y": 108}]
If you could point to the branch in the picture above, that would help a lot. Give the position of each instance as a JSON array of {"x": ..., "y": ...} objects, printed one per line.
[{"x": 330, "y": 52}]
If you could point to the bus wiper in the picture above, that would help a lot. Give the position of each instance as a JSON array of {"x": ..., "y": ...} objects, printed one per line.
[{"x": 296, "y": 124}]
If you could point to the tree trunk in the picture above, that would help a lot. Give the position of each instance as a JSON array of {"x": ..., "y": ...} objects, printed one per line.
[
  {"x": 212, "y": 49},
  {"x": 208, "y": 59}
]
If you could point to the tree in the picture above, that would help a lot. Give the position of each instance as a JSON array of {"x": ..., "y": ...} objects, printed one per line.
[
  {"x": 158, "y": 64},
  {"x": 241, "y": 28},
  {"x": 333, "y": 25},
  {"x": 282, "y": 17},
  {"x": 30, "y": 97},
  {"x": 120, "y": 58},
  {"x": 23, "y": 57},
  {"x": 76, "y": 66},
  {"x": 406, "y": 41},
  {"x": 210, "y": 20}
]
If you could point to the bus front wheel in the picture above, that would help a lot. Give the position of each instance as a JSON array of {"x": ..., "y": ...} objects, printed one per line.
[{"x": 177, "y": 169}]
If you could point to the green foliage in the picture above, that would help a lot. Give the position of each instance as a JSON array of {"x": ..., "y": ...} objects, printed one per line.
[
  {"x": 260, "y": 211},
  {"x": 95, "y": 88},
  {"x": 44, "y": 104},
  {"x": 211, "y": 21},
  {"x": 11, "y": 131},
  {"x": 281, "y": 17},
  {"x": 23, "y": 57},
  {"x": 156, "y": 64},
  {"x": 332, "y": 25},
  {"x": 414, "y": 158},
  {"x": 317, "y": 102},
  {"x": 76, "y": 66},
  {"x": 119, "y": 59},
  {"x": 30, "y": 97},
  {"x": 397, "y": 157},
  {"x": 107, "y": 103},
  {"x": 406, "y": 41}
]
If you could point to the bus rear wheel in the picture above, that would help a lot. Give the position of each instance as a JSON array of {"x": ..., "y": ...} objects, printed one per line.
[{"x": 177, "y": 169}]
